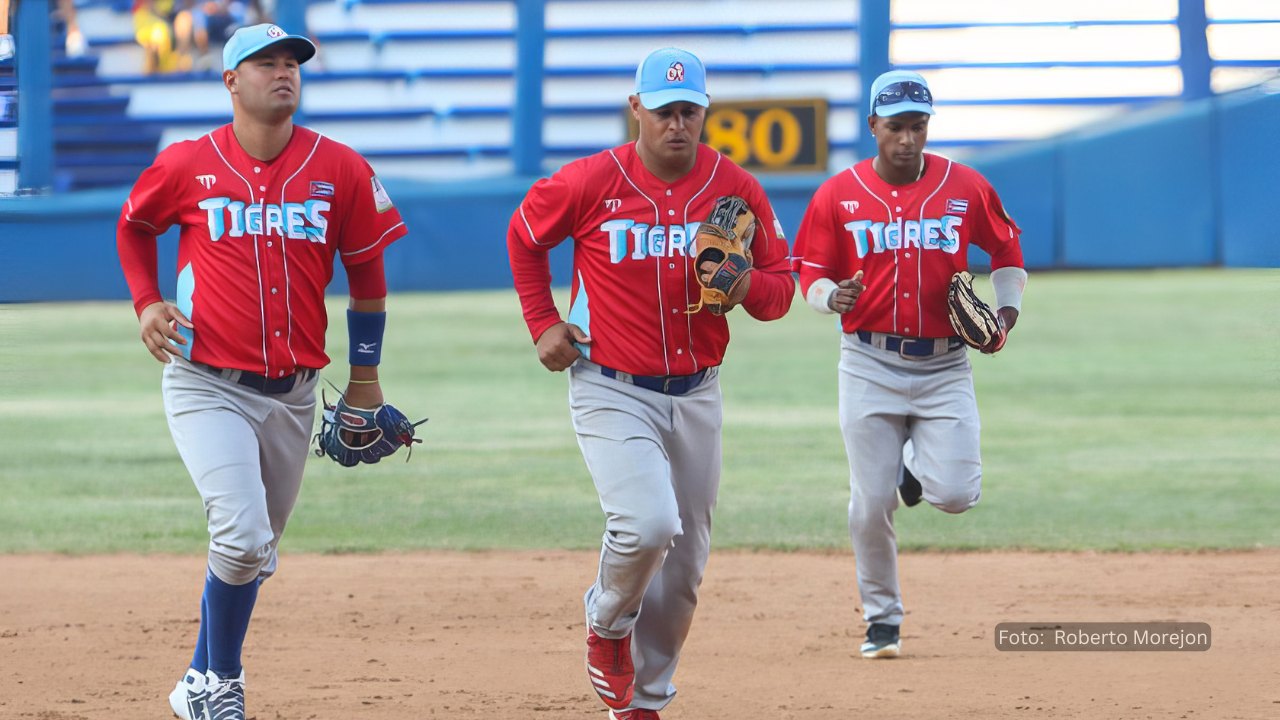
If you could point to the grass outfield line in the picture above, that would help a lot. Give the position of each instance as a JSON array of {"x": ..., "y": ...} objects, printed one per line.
[{"x": 1130, "y": 411}]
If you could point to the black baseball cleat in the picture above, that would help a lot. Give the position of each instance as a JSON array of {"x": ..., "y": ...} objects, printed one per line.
[
  {"x": 909, "y": 488},
  {"x": 882, "y": 641},
  {"x": 226, "y": 697}
]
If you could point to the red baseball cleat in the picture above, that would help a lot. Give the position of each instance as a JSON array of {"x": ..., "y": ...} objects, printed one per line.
[{"x": 611, "y": 671}]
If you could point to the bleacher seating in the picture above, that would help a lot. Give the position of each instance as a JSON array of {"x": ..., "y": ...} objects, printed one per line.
[
  {"x": 425, "y": 88},
  {"x": 8, "y": 130}
]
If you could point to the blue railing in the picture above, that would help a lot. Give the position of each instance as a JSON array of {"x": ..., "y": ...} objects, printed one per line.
[{"x": 531, "y": 36}]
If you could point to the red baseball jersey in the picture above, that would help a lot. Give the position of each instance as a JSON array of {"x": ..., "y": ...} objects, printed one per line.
[
  {"x": 908, "y": 240},
  {"x": 257, "y": 243},
  {"x": 633, "y": 258}
]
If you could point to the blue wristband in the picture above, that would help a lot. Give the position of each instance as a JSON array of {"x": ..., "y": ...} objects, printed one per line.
[{"x": 364, "y": 333}]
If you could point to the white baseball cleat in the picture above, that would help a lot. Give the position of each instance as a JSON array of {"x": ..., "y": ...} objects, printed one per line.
[{"x": 188, "y": 699}]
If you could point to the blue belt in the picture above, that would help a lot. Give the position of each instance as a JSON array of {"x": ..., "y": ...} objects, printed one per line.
[
  {"x": 261, "y": 383},
  {"x": 908, "y": 346},
  {"x": 665, "y": 384}
]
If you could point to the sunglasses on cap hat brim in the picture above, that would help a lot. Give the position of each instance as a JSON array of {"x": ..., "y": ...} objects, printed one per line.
[{"x": 903, "y": 92}]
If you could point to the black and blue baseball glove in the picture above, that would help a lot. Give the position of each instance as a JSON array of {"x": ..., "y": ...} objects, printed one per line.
[{"x": 351, "y": 436}]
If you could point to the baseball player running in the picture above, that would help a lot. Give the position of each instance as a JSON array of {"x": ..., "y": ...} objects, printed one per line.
[
  {"x": 644, "y": 395},
  {"x": 879, "y": 245},
  {"x": 263, "y": 206}
]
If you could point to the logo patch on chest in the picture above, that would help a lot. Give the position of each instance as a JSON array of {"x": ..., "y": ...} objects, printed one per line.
[
  {"x": 957, "y": 207},
  {"x": 321, "y": 189}
]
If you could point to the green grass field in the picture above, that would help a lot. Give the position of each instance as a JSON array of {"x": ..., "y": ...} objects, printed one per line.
[{"x": 1130, "y": 411}]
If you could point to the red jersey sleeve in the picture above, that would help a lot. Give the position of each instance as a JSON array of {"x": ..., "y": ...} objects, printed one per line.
[
  {"x": 149, "y": 211},
  {"x": 772, "y": 286},
  {"x": 153, "y": 202},
  {"x": 545, "y": 218},
  {"x": 997, "y": 233},
  {"x": 819, "y": 252},
  {"x": 369, "y": 220}
]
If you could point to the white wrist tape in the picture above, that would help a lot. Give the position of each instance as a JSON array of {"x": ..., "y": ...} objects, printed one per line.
[
  {"x": 819, "y": 295},
  {"x": 1009, "y": 283}
]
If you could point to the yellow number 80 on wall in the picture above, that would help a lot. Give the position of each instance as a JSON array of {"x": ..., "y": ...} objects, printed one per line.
[{"x": 771, "y": 135}]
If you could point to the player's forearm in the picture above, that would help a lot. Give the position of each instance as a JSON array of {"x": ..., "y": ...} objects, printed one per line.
[
  {"x": 137, "y": 251},
  {"x": 770, "y": 294},
  {"x": 367, "y": 283},
  {"x": 531, "y": 274}
]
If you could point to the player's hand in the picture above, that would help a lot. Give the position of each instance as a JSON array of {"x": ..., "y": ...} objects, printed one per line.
[
  {"x": 846, "y": 294},
  {"x": 556, "y": 348},
  {"x": 159, "y": 324},
  {"x": 1007, "y": 317}
]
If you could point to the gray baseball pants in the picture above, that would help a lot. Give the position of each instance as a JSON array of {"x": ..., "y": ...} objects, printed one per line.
[
  {"x": 655, "y": 461},
  {"x": 245, "y": 451},
  {"x": 896, "y": 410}
]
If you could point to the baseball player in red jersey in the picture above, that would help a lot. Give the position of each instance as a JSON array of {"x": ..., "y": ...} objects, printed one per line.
[
  {"x": 264, "y": 206},
  {"x": 643, "y": 389},
  {"x": 879, "y": 244}
]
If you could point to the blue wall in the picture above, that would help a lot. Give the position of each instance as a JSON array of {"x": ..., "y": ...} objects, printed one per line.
[{"x": 1186, "y": 185}]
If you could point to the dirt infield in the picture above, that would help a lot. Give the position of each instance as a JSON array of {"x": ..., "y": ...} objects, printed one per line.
[{"x": 499, "y": 635}]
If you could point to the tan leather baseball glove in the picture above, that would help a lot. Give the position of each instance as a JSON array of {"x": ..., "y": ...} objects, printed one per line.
[{"x": 723, "y": 245}]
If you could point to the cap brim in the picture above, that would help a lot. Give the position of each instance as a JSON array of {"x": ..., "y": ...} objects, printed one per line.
[
  {"x": 303, "y": 49},
  {"x": 656, "y": 99},
  {"x": 904, "y": 107}
]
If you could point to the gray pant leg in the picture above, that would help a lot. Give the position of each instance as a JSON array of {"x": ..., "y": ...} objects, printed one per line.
[
  {"x": 284, "y": 442},
  {"x": 873, "y": 407},
  {"x": 619, "y": 434},
  {"x": 672, "y": 597},
  {"x": 245, "y": 453},
  {"x": 944, "y": 452}
]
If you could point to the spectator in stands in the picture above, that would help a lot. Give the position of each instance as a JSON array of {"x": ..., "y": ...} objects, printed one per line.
[
  {"x": 153, "y": 24},
  {"x": 6, "y": 40},
  {"x": 263, "y": 11},
  {"x": 75, "y": 42},
  {"x": 209, "y": 20}
]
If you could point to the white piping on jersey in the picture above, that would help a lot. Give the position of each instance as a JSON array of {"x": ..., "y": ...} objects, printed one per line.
[
  {"x": 284, "y": 256},
  {"x": 889, "y": 210},
  {"x": 657, "y": 218},
  {"x": 813, "y": 264},
  {"x": 375, "y": 242},
  {"x": 129, "y": 216},
  {"x": 528, "y": 227},
  {"x": 920, "y": 255},
  {"x": 688, "y": 318},
  {"x": 262, "y": 306}
]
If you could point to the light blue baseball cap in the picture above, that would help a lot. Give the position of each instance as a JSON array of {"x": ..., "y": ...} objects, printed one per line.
[
  {"x": 249, "y": 40},
  {"x": 670, "y": 75},
  {"x": 900, "y": 91}
]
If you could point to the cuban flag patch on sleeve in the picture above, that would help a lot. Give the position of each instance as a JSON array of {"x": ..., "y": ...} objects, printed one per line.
[
  {"x": 321, "y": 189},
  {"x": 956, "y": 206}
]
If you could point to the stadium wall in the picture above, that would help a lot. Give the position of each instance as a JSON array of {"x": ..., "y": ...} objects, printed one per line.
[{"x": 1186, "y": 185}]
